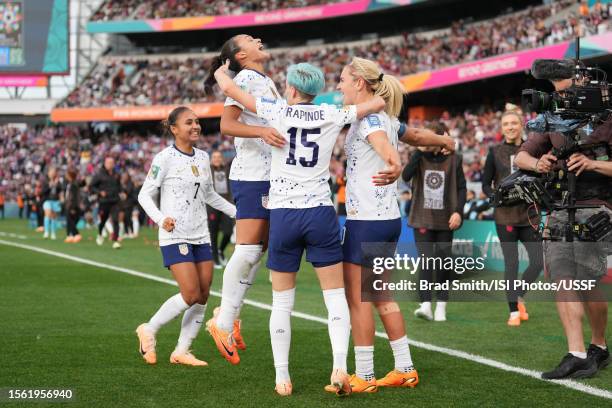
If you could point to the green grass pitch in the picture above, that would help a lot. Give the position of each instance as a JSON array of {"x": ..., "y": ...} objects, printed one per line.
[{"x": 67, "y": 324}]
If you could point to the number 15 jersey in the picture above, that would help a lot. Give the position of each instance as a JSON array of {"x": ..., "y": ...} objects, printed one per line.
[{"x": 300, "y": 169}]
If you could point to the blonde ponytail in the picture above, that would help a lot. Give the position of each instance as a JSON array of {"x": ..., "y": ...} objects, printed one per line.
[{"x": 386, "y": 86}]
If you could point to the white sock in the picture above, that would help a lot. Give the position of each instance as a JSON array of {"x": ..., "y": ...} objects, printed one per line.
[
  {"x": 280, "y": 331},
  {"x": 171, "y": 308},
  {"x": 514, "y": 315},
  {"x": 604, "y": 347},
  {"x": 425, "y": 306},
  {"x": 364, "y": 362},
  {"x": 109, "y": 227},
  {"x": 441, "y": 306},
  {"x": 579, "y": 354},
  {"x": 190, "y": 327},
  {"x": 238, "y": 277},
  {"x": 401, "y": 353},
  {"x": 135, "y": 225},
  {"x": 121, "y": 229},
  {"x": 338, "y": 324}
]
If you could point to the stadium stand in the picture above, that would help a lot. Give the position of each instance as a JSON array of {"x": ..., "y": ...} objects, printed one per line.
[{"x": 172, "y": 79}]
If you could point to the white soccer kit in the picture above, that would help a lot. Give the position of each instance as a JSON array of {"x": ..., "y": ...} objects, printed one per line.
[
  {"x": 300, "y": 169},
  {"x": 252, "y": 161},
  {"x": 183, "y": 186},
  {"x": 364, "y": 200}
]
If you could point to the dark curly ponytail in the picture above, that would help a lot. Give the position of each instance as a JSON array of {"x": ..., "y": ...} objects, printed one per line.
[{"x": 228, "y": 52}]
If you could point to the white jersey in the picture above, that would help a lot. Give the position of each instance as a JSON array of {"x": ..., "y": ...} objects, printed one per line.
[
  {"x": 300, "y": 169},
  {"x": 253, "y": 155},
  {"x": 364, "y": 200},
  {"x": 183, "y": 186}
]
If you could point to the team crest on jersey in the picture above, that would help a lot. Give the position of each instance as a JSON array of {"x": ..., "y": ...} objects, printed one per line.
[
  {"x": 153, "y": 172},
  {"x": 264, "y": 201},
  {"x": 373, "y": 120},
  {"x": 183, "y": 249},
  {"x": 195, "y": 171}
]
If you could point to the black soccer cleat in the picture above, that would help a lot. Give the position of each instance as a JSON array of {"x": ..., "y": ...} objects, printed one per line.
[
  {"x": 572, "y": 367},
  {"x": 601, "y": 357}
]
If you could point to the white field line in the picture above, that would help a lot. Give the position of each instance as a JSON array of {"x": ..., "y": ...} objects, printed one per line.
[{"x": 574, "y": 385}]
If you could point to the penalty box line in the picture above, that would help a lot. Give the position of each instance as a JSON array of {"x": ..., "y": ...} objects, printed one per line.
[{"x": 574, "y": 385}]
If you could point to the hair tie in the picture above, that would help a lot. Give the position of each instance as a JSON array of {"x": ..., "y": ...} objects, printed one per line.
[{"x": 380, "y": 77}]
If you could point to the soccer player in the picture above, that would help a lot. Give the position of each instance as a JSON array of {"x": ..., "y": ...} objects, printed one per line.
[
  {"x": 52, "y": 193},
  {"x": 373, "y": 166},
  {"x": 249, "y": 183},
  {"x": 180, "y": 178},
  {"x": 105, "y": 184},
  {"x": 302, "y": 214}
]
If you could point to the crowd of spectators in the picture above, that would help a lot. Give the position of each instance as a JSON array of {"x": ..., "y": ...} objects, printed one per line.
[
  {"x": 26, "y": 153},
  {"x": 175, "y": 80},
  {"x": 155, "y": 9}
]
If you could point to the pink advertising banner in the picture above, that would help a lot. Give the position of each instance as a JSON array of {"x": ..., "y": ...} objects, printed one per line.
[
  {"x": 593, "y": 46},
  {"x": 490, "y": 67},
  {"x": 259, "y": 18},
  {"x": 25, "y": 81}
]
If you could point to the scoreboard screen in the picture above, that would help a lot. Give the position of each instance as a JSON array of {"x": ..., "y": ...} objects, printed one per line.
[{"x": 34, "y": 37}]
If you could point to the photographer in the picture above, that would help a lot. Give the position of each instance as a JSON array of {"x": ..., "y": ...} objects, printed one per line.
[
  {"x": 575, "y": 260},
  {"x": 511, "y": 223}
]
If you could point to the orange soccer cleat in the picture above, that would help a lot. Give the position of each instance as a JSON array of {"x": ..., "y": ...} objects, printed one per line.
[
  {"x": 340, "y": 383},
  {"x": 240, "y": 344},
  {"x": 523, "y": 311},
  {"x": 186, "y": 359},
  {"x": 284, "y": 389},
  {"x": 397, "y": 378},
  {"x": 224, "y": 342},
  {"x": 238, "y": 339},
  {"x": 358, "y": 385},
  {"x": 147, "y": 344},
  {"x": 514, "y": 321}
]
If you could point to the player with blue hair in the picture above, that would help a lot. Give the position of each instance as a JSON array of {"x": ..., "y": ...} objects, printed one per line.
[{"x": 302, "y": 216}]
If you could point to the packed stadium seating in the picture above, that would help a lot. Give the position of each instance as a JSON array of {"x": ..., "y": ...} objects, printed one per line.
[
  {"x": 125, "y": 81},
  {"x": 122, "y": 9},
  {"x": 26, "y": 154}
]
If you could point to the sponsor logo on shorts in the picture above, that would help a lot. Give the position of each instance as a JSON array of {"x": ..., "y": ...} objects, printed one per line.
[
  {"x": 183, "y": 249},
  {"x": 264, "y": 201}
]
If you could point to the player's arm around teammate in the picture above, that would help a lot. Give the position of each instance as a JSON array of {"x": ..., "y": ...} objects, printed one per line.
[
  {"x": 180, "y": 179},
  {"x": 249, "y": 184},
  {"x": 373, "y": 216},
  {"x": 302, "y": 216}
]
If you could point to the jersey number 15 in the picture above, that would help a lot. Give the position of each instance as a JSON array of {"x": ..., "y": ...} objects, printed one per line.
[{"x": 304, "y": 140}]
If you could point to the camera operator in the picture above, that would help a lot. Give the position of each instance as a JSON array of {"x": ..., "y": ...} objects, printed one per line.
[
  {"x": 576, "y": 260},
  {"x": 511, "y": 223}
]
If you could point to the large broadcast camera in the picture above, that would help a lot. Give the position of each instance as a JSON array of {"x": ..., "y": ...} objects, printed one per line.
[{"x": 574, "y": 112}]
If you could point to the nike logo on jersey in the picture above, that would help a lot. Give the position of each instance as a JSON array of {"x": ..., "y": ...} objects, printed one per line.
[{"x": 245, "y": 283}]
